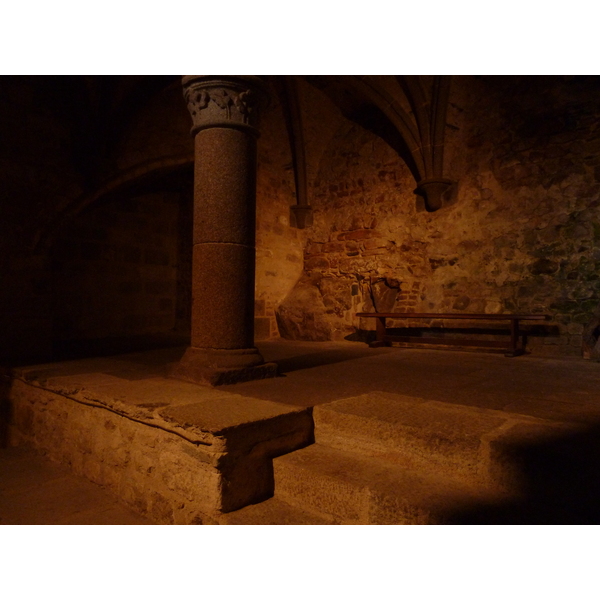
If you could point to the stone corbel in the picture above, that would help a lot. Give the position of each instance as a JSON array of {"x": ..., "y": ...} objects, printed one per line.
[
  {"x": 301, "y": 216},
  {"x": 429, "y": 109},
  {"x": 435, "y": 192},
  {"x": 414, "y": 126}
]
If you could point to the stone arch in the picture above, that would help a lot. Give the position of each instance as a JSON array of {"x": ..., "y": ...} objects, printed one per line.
[
  {"x": 409, "y": 114},
  {"x": 121, "y": 266},
  {"x": 118, "y": 184}
]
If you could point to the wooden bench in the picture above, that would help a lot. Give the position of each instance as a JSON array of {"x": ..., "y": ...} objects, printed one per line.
[{"x": 512, "y": 348}]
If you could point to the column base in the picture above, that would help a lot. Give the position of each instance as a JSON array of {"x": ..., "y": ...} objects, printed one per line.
[{"x": 221, "y": 367}]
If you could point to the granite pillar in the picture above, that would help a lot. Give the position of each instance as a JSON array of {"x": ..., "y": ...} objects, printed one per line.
[{"x": 224, "y": 111}]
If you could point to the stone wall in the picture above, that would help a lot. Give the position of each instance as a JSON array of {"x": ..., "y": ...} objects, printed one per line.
[
  {"x": 115, "y": 269},
  {"x": 279, "y": 247},
  {"x": 37, "y": 176},
  {"x": 519, "y": 236},
  {"x": 103, "y": 267},
  {"x": 65, "y": 143},
  {"x": 156, "y": 133},
  {"x": 161, "y": 133}
]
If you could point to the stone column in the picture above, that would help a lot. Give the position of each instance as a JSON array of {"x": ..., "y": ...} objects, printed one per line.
[{"x": 224, "y": 112}]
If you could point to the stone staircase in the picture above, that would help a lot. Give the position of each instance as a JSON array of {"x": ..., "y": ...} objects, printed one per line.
[{"x": 384, "y": 458}]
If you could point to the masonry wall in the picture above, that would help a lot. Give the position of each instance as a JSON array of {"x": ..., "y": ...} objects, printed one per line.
[
  {"x": 60, "y": 151},
  {"x": 84, "y": 255},
  {"x": 279, "y": 247},
  {"x": 115, "y": 269},
  {"x": 521, "y": 235},
  {"x": 35, "y": 164}
]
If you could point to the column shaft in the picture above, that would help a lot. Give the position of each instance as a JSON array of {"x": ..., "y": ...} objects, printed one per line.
[
  {"x": 224, "y": 239},
  {"x": 224, "y": 114}
]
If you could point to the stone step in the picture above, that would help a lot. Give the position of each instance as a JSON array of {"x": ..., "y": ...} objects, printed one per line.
[
  {"x": 274, "y": 511},
  {"x": 348, "y": 488},
  {"x": 479, "y": 446}
]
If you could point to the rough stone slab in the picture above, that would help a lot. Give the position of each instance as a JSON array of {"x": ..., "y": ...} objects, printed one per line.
[
  {"x": 274, "y": 512},
  {"x": 204, "y": 453},
  {"x": 249, "y": 433},
  {"x": 449, "y": 438},
  {"x": 158, "y": 401},
  {"x": 119, "y": 390},
  {"x": 228, "y": 413},
  {"x": 354, "y": 489},
  {"x": 155, "y": 472}
]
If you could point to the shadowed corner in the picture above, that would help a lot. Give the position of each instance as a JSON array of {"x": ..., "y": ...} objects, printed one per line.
[
  {"x": 361, "y": 335},
  {"x": 5, "y": 406},
  {"x": 557, "y": 482},
  {"x": 319, "y": 359}
]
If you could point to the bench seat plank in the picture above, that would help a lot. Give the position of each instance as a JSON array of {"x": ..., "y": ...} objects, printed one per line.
[
  {"x": 513, "y": 348},
  {"x": 491, "y": 317}
]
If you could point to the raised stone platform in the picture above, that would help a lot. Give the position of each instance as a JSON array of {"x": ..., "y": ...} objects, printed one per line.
[
  {"x": 401, "y": 436},
  {"x": 174, "y": 451},
  {"x": 382, "y": 458}
]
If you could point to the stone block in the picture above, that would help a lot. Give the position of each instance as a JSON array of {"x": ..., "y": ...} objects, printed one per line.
[
  {"x": 375, "y": 252},
  {"x": 314, "y": 479},
  {"x": 158, "y": 472},
  {"x": 514, "y": 450},
  {"x": 575, "y": 328},
  {"x": 576, "y": 341},
  {"x": 360, "y": 234},
  {"x": 333, "y": 247},
  {"x": 447, "y": 436},
  {"x": 371, "y": 244},
  {"x": 314, "y": 248},
  {"x": 253, "y": 432}
]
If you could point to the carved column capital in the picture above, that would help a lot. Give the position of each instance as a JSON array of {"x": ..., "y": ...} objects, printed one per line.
[{"x": 224, "y": 101}]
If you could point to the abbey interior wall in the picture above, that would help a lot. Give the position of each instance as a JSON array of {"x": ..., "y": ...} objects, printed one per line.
[
  {"x": 115, "y": 269},
  {"x": 279, "y": 247},
  {"x": 37, "y": 177},
  {"x": 521, "y": 233}
]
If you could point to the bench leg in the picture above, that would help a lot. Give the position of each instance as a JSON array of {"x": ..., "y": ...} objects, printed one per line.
[
  {"x": 513, "y": 349},
  {"x": 380, "y": 334}
]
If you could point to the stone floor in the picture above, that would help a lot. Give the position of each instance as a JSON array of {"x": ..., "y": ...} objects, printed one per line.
[
  {"x": 318, "y": 372},
  {"x": 34, "y": 491}
]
